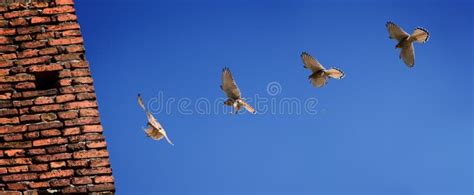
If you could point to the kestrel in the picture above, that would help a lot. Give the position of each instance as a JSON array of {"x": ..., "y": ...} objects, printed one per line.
[
  {"x": 233, "y": 93},
  {"x": 154, "y": 128},
  {"x": 405, "y": 41},
  {"x": 319, "y": 75}
]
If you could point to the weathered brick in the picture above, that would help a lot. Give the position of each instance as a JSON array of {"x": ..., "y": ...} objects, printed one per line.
[
  {"x": 13, "y": 137},
  {"x": 94, "y": 171},
  {"x": 43, "y": 100},
  {"x": 23, "y": 38},
  {"x": 20, "y": 177},
  {"x": 28, "y": 53},
  {"x": 86, "y": 137},
  {"x": 50, "y": 133},
  {"x": 22, "y": 103},
  {"x": 65, "y": 82},
  {"x": 48, "y": 51},
  {"x": 39, "y": 20},
  {"x": 36, "y": 60},
  {"x": 36, "y": 151},
  {"x": 57, "y": 164},
  {"x": 52, "y": 157},
  {"x": 101, "y": 187},
  {"x": 65, "y": 98},
  {"x": 71, "y": 131},
  {"x": 56, "y": 174},
  {"x": 68, "y": 115},
  {"x": 46, "y": 35},
  {"x": 8, "y": 48},
  {"x": 64, "y": 2},
  {"x": 32, "y": 135},
  {"x": 81, "y": 104},
  {"x": 65, "y": 41},
  {"x": 38, "y": 167},
  {"x": 3, "y": 170},
  {"x": 7, "y": 31},
  {"x": 75, "y": 189},
  {"x": 16, "y": 153},
  {"x": 8, "y": 112},
  {"x": 58, "y": 10},
  {"x": 5, "y": 40},
  {"x": 81, "y": 180},
  {"x": 45, "y": 125},
  {"x": 18, "y": 169},
  {"x": 49, "y": 92},
  {"x": 25, "y": 85},
  {"x": 29, "y": 30},
  {"x": 66, "y": 17},
  {"x": 69, "y": 56},
  {"x": 92, "y": 128},
  {"x": 22, "y": 144},
  {"x": 32, "y": 44},
  {"x": 88, "y": 112},
  {"x": 104, "y": 179},
  {"x": 38, "y": 184},
  {"x": 21, "y": 13},
  {"x": 74, "y": 48},
  {"x": 49, "y": 141},
  {"x": 12, "y": 129},
  {"x": 5, "y": 63},
  {"x": 77, "y": 163},
  {"x": 82, "y": 121},
  {"x": 17, "y": 78},
  {"x": 90, "y": 154},
  {"x": 79, "y": 64},
  {"x": 57, "y": 149},
  {"x": 12, "y": 120},
  {"x": 39, "y": 4},
  {"x": 17, "y": 186},
  {"x": 100, "y": 162},
  {"x": 60, "y": 182},
  {"x": 19, "y": 22},
  {"x": 83, "y": 80},
  {"x": 30, "y": 118},
  {"x": 47, "y": 108},
  {"x": 99, "y": 144},
  {"x": 71, "y": 33},
  {"x": 15, "y": 161}
]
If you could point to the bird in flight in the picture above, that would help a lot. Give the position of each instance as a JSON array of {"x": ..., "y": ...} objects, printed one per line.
[
  {"x": 319, "y": 75},
  {"x": 154, "y": 128},
  {"x": 233, "y": 93},
  {"x": 405, "y": 41}
]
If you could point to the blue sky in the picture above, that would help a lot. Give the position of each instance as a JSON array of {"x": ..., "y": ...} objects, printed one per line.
[{"x": 384, "y": 129}]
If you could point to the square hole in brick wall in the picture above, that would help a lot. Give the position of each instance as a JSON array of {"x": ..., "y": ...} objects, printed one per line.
[{"x": 47, "y": 80}]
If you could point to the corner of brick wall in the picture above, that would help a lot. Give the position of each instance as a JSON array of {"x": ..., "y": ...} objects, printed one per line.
[{"x": 50, "y": 138}]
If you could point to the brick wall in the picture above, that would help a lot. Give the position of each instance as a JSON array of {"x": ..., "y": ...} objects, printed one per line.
[{"x": 50, "y": 132}]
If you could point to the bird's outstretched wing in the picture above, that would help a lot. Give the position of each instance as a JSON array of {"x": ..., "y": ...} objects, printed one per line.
[
  {"x": 408, "y": 54},
  {"x": 154, "y": 129},
  {"x": 228, "y": 85},
  {"x": 248, "y": 107},
  {"x": 396, "y": 32},
  {"x": 311, "y": 63},
  {"x": 335, "y": 73},
  {"x": 420, "y": 35}
]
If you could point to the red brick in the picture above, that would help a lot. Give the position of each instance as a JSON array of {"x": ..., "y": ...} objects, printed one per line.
[
  {"x": 21, "y": 13},
  {"x": 32, "y": 135},
  {"x": 4, "y": 72},
  {"x": 38, "y": 20},
  {"x": 23, "y": 38},
  {"x": 64, "y": 2},
  {"x": 48, "y": 51},
  {"x": 56, "y": 174},
  {"x": 19, "y": 22},
  {"x": 94, "y": 171},
  {"x": 101, "y": 187},
  {"x": 49, "y": 141},
  {"x": 68, "y": 115},
  {"x": 3, "y": 23},
  {"x": 92, "y": 128},
  {"x": 18, "y": 169},
  {"x": 82, "y": 80},
  {"x": 80, "y": 72},
  {"x": 8, "y": 48},
  {"x": 37, "y": 60},
  {"x": 65, "y": 82},
  {"x": 85, "y": 96},
  {"x": 7, "y": 31},
  {"x": 50, "y": 133},
  {"x": 72, "y": 33},
  {"x": 100, "y": 144},
  {"x": 81, "y": 180},
  {"x": 65, "y": 41},
  {"x": 90, "y": 154},
  {"x": 36, "y": 151},
  {"x": 81, "y": 104},
  {"x": 38, "y": 184},
  {"x": 28, "y": 53},
  {"x": 16, "y": 152},
  {"x": 39, "y": 4},
  {"x": 58, "y": 10},
  {"x": 8, "y": 112},
  {"x": 65, "y": 98},
  {"x": 6, "y": 121},
  {"x": 57, "y": 149},
  {"x": 47, "y": 108},
  {"x": 75, "y": 189},
  {"x": 57, "y": 164},
  {"x": 45, "y": 125},
  {"x": 38, "y": 167},
  {"x": 44, "y": 100},
  {"x": 72, "y": 131},
  {"x": 15, "y": 161},
  {"x": 25, "y": 85},
  {"x": 29, "y": 30},
  {"x": 17, "y": 186},
  {"x": 8, "y": 56},
  {"x": 5, "y": 96},
  {"x": 4, "y": 41},
  {"x": 17, "y": 78},
  {"x": 52, "y": 157},
  {"x": 6, "y": 63},
  {"x": 20, "y": 144},
  {"x": 46, "y": 35},
  {"x": 60, "y": 182},
  {"x": 69, "y": 56},
  {"x": 82, "y": 121},
  {"x": 45, "y": 68},
  {"x": 12, "y": 129},
  {"x": 103, "y": 179},
  {"x": 86, "y": 137},
  {"x": 20, "y": 177},
  {"x": 37, "y": 93},
  {"x": 75, "y": 48},
  {"x": 77, "y": 163},
  {"x": 13, "y": 137},
  {"x": 66, "y": 17},
  {"x": 22, "y": 103},
  {"x": 33, "y": 44},
  {"x": 3, "y": 170}
]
